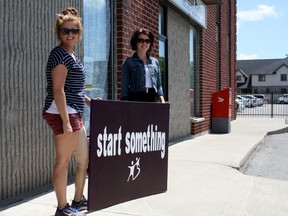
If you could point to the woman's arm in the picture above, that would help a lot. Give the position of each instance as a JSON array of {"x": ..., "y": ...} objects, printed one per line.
[
  {"x": 59, "y": 74},
  {"x": 87, "y": 101},
  {"x": 159, "y": 85},
  {"x": 125, "y": 80}
]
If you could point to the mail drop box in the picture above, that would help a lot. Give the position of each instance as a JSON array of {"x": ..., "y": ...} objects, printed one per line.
[{"x": 221, "y": 112}]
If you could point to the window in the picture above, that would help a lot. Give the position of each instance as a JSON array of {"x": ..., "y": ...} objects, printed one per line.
[
  {"x": 163, "y": 51},
  {"x": 193, "y": 2},
  {"x": 194, "y": 73},
  {"x": 97, "y": 51},
  {"x": 283, "y": 77},
  {"x": 261, "y": 78},
  {"x": 239, "y": 78}
]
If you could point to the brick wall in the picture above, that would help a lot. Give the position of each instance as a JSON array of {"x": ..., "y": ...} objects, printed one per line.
[
  {"x": 219, "y": 66},
  {"x": 224, "y": 71},
  {"x": 131, "y": 15},
  {"x": 233, "y": 51},
  {"x": 207, "y": 70}
]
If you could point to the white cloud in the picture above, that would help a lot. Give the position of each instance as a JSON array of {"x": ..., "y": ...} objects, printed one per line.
[
  {"x": 259, "y": 13},
  {"x": 247, "y": 56}
]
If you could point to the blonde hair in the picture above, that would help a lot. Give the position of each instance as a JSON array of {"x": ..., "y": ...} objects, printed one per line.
[{"x": 68, "y": 15}]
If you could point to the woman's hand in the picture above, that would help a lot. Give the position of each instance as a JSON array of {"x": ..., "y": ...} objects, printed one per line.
[
  {"x": 162, "y": 100},
  {"x": 88, "y": 100},
  {"x": 97, "y": 98},
  {"x": 67, "y": 129}
]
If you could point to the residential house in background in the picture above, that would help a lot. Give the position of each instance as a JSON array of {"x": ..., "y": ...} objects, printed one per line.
[{"x": 262, "y": 76}]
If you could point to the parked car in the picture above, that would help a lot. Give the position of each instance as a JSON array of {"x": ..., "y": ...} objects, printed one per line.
[
  {"x": 243, "y": 100},
  {"x": 263, "y": 98},
  {"x": 259, "y": 101},
  {"x": 252, "y": 100},
  {"x": 239, "y": 105},
  {"x": 283, "y": 99}
]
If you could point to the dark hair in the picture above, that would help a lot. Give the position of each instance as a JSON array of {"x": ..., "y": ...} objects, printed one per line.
[
  {"x": 135, "y": 35},
  {"x": 70, "y": 14}
]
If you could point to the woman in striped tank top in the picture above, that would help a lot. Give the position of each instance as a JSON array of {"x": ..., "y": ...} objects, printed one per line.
[{"x": 63, "y": 111}]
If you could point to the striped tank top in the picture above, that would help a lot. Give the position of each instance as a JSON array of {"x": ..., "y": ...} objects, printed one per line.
[{"x": 74, "y": 86}]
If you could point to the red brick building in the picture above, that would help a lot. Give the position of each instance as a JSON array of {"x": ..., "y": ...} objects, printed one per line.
[{"x": 197, "y": 44}]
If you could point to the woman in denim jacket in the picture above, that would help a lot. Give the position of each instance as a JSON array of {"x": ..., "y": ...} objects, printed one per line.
[{"x": 141, "y": 73}]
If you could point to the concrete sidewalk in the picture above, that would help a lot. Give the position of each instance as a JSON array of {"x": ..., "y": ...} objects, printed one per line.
[{"x": 203, "y": 180}]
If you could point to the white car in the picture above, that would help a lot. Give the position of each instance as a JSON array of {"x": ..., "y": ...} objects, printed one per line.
[
  {"x": 239, "y": 105},
  {"x": 283, "y": 99},
  {"x": 262, "y": 97},
  {"x": 251, "y": 100},
  {"x": 243, "y": 100}
]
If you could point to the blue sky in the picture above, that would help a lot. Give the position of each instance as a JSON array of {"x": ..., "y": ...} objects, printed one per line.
[{"x": 262, "y": 29}]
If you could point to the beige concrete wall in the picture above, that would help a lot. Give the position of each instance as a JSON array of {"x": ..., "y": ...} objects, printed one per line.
[
  {"x": 26, "y": 145},
  {"x": 178, "y": 73}
]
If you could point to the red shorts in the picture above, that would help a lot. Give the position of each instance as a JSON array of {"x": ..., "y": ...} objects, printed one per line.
[{"x": 56, "y": 124}]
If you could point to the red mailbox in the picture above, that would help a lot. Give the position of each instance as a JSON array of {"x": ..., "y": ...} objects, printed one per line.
[{"x": 221, "y": 112}]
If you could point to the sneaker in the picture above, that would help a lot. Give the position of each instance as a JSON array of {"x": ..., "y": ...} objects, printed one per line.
[
  {"x": 81, "y": 205},
  {"x": 68, "y": 211}
]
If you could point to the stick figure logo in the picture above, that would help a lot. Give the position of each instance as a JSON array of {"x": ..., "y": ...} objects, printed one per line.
[{"x": 134, "y": 169}]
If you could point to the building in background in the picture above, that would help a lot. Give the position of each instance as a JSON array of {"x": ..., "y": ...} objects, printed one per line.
[
  {"x": 262, "y": 76},
  {"x": 195, "y": 44}
]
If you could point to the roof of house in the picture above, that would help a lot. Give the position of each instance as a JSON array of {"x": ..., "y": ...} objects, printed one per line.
[
  {"x": 261, "y": 66},
  {"x": 242, "y": 72}
]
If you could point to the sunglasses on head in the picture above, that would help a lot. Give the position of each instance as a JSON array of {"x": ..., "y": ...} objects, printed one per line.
[
  {"x": 141, "y": 40},
  {"x": 66, "y": 31}
]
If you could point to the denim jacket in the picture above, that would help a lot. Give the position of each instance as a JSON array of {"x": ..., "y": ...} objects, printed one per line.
[{"x": 133, "y": 76}]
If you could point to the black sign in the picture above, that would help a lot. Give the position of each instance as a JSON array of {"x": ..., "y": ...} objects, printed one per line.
[{"x": 128, "y": 151}]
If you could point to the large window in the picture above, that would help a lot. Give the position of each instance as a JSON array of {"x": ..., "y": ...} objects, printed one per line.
[
  {"x": 97, "y": 50},
  {"x": 194, "y": 74},
  {"x": 163, "y": 51}
]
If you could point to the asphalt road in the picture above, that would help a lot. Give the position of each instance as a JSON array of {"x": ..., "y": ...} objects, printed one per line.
[{"x": 271, "y": 159}]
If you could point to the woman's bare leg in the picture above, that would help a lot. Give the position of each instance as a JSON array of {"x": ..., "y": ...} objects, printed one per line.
[
  {"x": 81, "y": 152},
  {"x": 64, "y": 146},
  {"x": 80, "y": 178}
]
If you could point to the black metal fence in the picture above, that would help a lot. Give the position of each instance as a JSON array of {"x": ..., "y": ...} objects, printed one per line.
[{"x": 270, "y": 105}]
